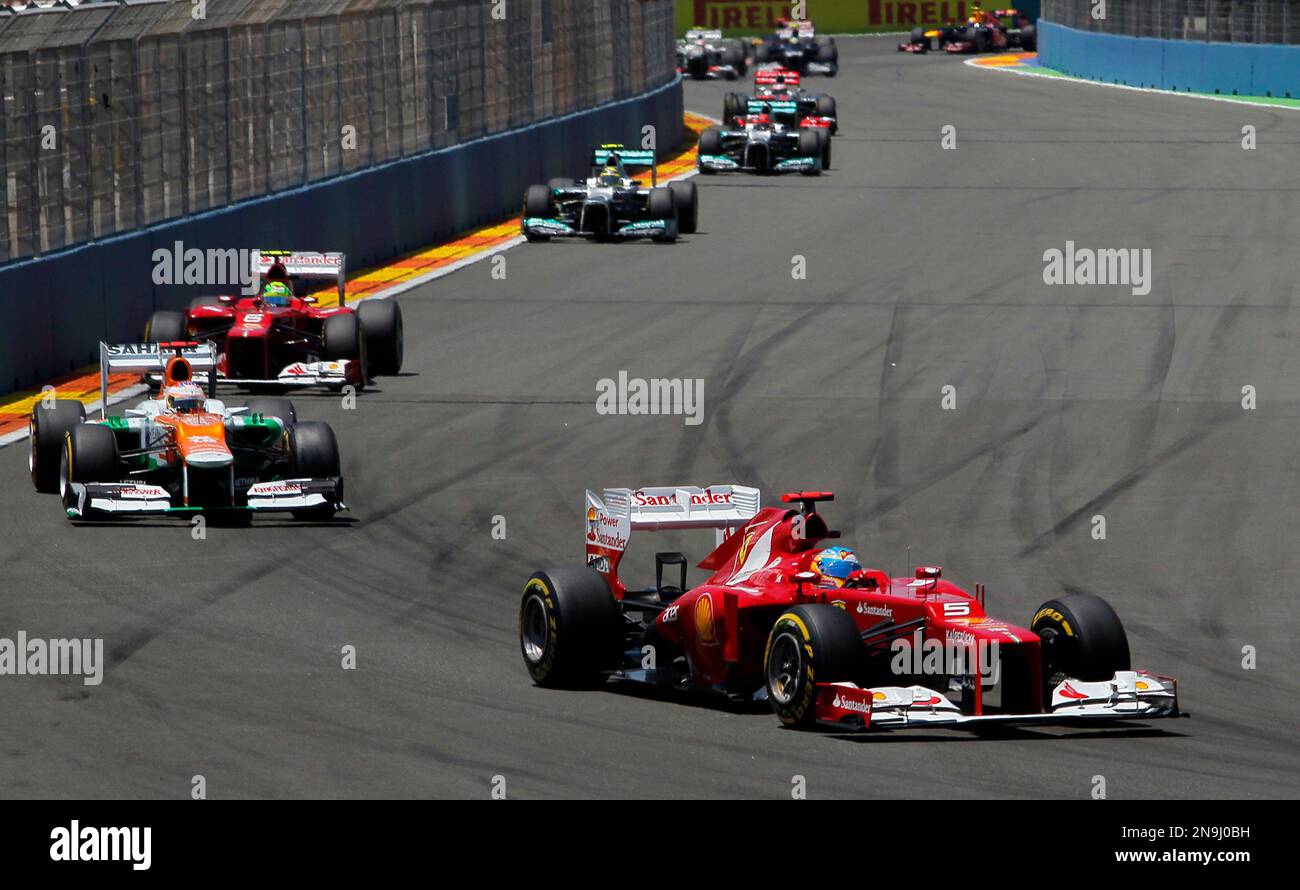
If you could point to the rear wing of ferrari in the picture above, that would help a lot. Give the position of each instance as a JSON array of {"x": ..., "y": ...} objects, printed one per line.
[
  {"x": 307, "y": 267},
  {"x": 615, "y": 513},
  {"x": 630, "y": 158},
  {"x": 147, "y": 358}
]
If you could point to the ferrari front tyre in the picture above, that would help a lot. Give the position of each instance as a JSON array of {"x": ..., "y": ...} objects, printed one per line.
[
  {"x": 47, "y": 430},
  {"x": 314, "y": 454},
  {"x": 382, "y": 322},
  {"x": 687, "y": 196},
  {"x": 342, "y": 339},
  {"x": 1029, "y": 38},
  {"x": 808, "y": 645},
  {"x": 826, "y": 106},
  {"x": 165, "y": 327},
  {"x": 1082, "y": 638},
  {"x": 569, "y": 627},
  {"x": 278, "y": 408}
]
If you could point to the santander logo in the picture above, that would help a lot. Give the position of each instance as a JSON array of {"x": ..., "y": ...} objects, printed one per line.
[
  {"x": 851, "y": 704},
  {"x": 708, "y": 496}
]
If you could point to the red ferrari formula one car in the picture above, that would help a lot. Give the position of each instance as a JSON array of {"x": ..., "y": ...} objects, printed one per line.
[
  {"x": 998, "y": 31},
  {"x": 281, "y": 337},
  {"x": 785, "y": 618}
]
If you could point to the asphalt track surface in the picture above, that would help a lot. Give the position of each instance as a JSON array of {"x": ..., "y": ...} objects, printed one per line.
[{"x": 924, "y": 270}]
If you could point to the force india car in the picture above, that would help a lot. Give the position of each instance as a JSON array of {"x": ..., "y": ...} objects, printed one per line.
[
  {"x": 796, "y": 46},
  {"x": 765, "y": 626},
  {"x": 185, "y": 451},
  {"x": 281, "y": 337},
  {"x": 780, "y": 85},
  {"x": 610, "y": 204},
  {"x": 756, "y": 143},
  {"x": 1000, "y": 31},
  {"x": 703, "y": 54}
]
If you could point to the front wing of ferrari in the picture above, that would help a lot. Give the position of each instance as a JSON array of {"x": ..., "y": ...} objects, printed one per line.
[{"x": 1129, "y": 695}]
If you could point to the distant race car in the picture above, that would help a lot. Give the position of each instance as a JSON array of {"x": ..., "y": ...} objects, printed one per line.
[
  {"x": 610, "y": 204},
  {"x": 796, "y": 46},
  {"x": 281, "y": 337},
  {"x": 756, "y": 143},
  {"x": 999, "y": 31},
  {"x": 184, "y": 451},
  {"x": 784, "y": 618},
  {"x": 781, "y": 86},
  {"x": 704, "y": 54}
]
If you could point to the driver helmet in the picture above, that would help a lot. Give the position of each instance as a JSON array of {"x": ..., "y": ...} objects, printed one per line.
[
  {"x": 835, "y": 564},
  {"x": 184, "y": 398},
  {"x": 276, "y": 293},
  {"x": 609, "y": 176}
]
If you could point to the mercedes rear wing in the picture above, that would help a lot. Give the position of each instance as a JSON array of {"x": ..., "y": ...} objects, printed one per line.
[
  {"x": 630, "y": 157},
  {"x": 145, "y": 358},
  {"x": 307, "y": 267},
  {"x": 771, "y": 106}
]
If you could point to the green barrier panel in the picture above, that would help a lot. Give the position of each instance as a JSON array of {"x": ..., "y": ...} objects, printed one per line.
[{"x": 747, "y": 17}]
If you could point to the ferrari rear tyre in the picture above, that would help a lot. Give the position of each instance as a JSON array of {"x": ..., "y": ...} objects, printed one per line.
[
  {"x": 1082, "y": 637},
  {"x": 48, "y": 428},
  {"x": 382, "y": 322},
  {"x": 569, "y": 627},
  {"x": 165, "y": 327},
  {"x": 808, "y": 645},
  {"x": 1029, "y": 38}
]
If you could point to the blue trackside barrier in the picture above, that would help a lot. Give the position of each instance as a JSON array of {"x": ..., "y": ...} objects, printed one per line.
[
  {"x": 57, "y": 308},
  {"x": 1231, "y": 69}
]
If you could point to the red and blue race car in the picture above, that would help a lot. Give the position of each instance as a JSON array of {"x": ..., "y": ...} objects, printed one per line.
[
  {"x": 1002, "y": 30},
  {"x": 788, "y": 618}
]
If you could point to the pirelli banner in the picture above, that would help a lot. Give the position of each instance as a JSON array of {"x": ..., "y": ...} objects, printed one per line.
[{"x": 752, "y": 17}]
